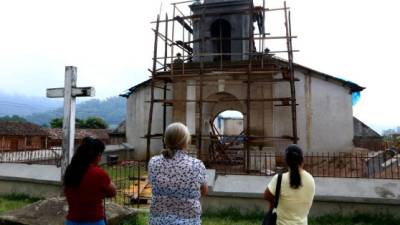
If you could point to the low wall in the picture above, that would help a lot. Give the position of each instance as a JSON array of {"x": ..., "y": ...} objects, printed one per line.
[
  {"x": 333, "y": 195},
  {"x": 41, "y": 181},
  {"x": 117, "y": 150}
]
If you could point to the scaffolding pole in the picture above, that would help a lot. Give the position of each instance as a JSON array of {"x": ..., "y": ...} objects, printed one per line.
[
  {"x": 291, "y": 74},
  {"x": 149, "y": 124}
]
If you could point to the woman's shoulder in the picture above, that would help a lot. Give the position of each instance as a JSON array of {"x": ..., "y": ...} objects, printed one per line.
[
  {"x": 307, "y": 177},
  {"x": 155, "y": 159},
  {"x": 284, "y": 175},
  {"x": 195, "y": 162},
  {"x": 96, "y": 170},
  {"x": 307, "y": 174}
]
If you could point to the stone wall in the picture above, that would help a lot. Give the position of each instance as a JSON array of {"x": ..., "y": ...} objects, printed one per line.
[
  {"x": 333, "y": 195},
  {"x": 41, "y": 181}
]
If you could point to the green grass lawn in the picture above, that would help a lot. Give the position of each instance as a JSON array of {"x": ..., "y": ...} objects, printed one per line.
[
  {"x": 12, "y": 202},
  {"x": 229, "y": 217},
  {"x": 234, "y": 218}
]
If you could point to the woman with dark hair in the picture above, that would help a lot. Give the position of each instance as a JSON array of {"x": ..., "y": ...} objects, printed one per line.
[
  {"x": 86, "y": 185},
  {"x": 297, "y": 190}
]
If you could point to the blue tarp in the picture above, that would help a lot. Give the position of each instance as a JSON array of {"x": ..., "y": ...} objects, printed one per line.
[{"x": 355, "y": 97}]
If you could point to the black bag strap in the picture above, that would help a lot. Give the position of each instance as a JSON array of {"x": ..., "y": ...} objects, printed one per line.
[{"x": 278, "y": 190}]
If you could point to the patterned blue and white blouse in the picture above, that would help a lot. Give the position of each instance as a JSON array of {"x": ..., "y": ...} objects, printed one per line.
[{"x": 176, "y": 189}]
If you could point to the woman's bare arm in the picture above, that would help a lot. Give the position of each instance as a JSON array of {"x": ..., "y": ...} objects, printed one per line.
[
  {"x": 204, "y": 190},
  {"x": 111, "y": 190},
  {"x": 269, "y": 197}
]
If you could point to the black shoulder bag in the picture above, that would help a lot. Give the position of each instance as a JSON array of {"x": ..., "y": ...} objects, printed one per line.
[{"x": 270, "y": 217}]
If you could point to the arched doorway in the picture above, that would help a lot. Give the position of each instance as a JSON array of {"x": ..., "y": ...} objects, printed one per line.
[
  {"x": 225, "y": 146},
  {"x": 221, "y": 34},
  {"x": 229, "y": 123}
]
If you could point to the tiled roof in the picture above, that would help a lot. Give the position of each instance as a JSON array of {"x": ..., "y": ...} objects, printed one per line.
[
  {"x": 56, "y": 133},
  {"x": 121, "y": 129},
  {"x": 21, "y": 129}
]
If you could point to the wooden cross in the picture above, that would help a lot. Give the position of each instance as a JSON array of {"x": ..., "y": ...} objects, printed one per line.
[{"x": 69, "y": 93}]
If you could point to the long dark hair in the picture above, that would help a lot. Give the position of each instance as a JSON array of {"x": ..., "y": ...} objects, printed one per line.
[
  {"x": 294, "y": 158},
  {"x": 83, "y": 157}
]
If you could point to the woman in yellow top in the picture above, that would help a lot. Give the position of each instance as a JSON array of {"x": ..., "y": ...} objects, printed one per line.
[{"x": 297, "y": 190}]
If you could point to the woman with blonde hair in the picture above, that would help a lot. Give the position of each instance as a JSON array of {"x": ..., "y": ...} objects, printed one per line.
[{"x": 178, "y": 181}]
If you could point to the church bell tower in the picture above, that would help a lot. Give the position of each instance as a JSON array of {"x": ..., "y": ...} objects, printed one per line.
[{"x": 222, "y": 30}]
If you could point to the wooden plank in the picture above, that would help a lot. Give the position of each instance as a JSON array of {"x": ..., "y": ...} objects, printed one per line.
[
  {"x": 248, "y": 92},
  {"x": 220, "y": 100},
  {"x": 291, "y": 73},
  {"x": 200, "y": 103},
  {"x": 150, "y": 121},
  {"x": 165, "y": 82},
  {"x": 237, "y": 38},
  {"x": 184, "y": 24},
  {"x": 217, "y": 74},
  {"x": 135, "y": 190},
  {"x": 69, "y": 117},
  {"x": 242, "y": 11},
  {"x": 55, "y": 92},
  {"x": 83, "y": 92},
  {"x": 76, "y": 92},
  {"x": 2, "y": 143}
]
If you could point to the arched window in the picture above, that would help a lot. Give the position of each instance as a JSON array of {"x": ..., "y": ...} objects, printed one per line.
[{"x": 221, "y": 34}]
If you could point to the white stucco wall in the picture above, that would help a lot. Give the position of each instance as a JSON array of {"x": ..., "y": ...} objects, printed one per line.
[
  {"x": 324, "y": 114},
  {"x": 137, "y": 121}
]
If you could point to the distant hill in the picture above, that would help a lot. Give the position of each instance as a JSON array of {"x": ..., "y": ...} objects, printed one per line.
[
  {"x": 112, "y": 110},
  {"x": 25, "y": 105}
]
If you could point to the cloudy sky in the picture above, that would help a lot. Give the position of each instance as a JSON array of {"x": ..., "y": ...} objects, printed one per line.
[{"x": 110, "y": 41}]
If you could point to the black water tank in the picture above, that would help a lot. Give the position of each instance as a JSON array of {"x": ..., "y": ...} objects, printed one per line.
[{"x": 112, "y": 160}]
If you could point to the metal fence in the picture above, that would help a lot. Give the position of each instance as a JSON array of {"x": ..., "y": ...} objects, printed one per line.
[
  {"x": 376, "y": 165},
  {"x": 51, "y": 156},
  {"x": 133, "y": 188},
  {"x": 130, "y": 177}
]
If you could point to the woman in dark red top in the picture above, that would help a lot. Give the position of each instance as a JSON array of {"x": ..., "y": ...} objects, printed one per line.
[{"x": 86, "y": 185}]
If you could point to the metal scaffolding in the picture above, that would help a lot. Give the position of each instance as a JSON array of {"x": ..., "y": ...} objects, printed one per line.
[{"x": 258, "y": 67}]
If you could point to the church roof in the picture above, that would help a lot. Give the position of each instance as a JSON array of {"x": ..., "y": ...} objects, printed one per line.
[{"x": 353, "y": 86}]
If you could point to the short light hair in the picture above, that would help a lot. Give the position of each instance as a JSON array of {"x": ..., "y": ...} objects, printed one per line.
[{"x": 177, "y": 136}]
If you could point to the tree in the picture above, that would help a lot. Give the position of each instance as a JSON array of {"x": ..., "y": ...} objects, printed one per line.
[
  {"x": 94, "y": 122},
  {"x": 56, "y": 123},
  {"x": 80, "y": 123},
  {"x": 13, "y": 118}
]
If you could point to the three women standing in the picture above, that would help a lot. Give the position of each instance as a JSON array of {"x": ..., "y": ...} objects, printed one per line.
[{"x": 178, "y": 181}]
